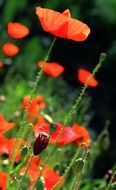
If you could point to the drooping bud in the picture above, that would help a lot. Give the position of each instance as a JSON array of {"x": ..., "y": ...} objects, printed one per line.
[{"x": 40, "y": 143}]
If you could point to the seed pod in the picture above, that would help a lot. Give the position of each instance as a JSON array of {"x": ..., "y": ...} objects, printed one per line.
[{"x": 40, "y": 143}]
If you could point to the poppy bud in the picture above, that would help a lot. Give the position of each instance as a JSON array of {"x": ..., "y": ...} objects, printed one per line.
[{"x": 41, "y": 143}]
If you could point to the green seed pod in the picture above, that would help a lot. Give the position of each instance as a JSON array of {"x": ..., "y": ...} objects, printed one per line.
[{"x": 79, "y": 163}]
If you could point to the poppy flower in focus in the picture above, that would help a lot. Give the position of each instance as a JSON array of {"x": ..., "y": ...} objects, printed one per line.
[
  {"x": 62, "y": 25},
  {"x": 83, "y": 75},
  {"x": 36, "y": 105},
  {"x": 82, "y": 135},
  {"x": 17, "y": 30},
  {"x": 4, "y": 125},
  {"x": 3, "y": 180},
  {"x": 67, "y": 136},
  {"x": 52, "y": 69},
  {"x": 1, "y": 65},
  {"x": 46, "y": 174},
  {"x": 10, "y": 49}
]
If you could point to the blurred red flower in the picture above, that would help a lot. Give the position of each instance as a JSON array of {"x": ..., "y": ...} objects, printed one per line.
[
  {"x": 67, "y": 136},
  {"x": 83, "y": 75},
  {"x": 7, "y": 145},
  {"x": 1, "y": 65},
  {"x": 36, "y": 105},
  {"x": 17, "y": 30},
  {"x": 52, "y": 69},
  {"x": 50, "y": 177},
  {"x": 3, "y": 180},
  {"x": 10, "y": 49},
  {"x": 62, "y": 25},
  {"x": 4, "y": 125},
  {"x": 82, "y": 135}
]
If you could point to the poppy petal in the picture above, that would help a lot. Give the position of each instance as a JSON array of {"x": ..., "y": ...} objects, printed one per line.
[
  {"x": 62, "y": 25},
  {"x": 83, "y": 75},
  {"x": 17, "y": 30},
  {"x": 52, "y": 69},
  {"x": 67, "y": 136},
  {"x": 10, "y": 49},
  {"x": 83, "y": 135},
  {"x": 3, "y": 180},
  {"x": 4, "y": 125}
]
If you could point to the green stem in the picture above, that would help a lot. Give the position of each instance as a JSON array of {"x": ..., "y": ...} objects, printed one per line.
[
  {"x": 73, "y": 109},
  {"x": 81, "y": 172},
  {"x": 20, "y": 182},
  {"x": 22, "y": 131},
  {"x": 67, "y": 169},
  {"x": 78, "y": 100}
]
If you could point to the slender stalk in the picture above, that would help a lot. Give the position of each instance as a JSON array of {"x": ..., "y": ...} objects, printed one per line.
[
  {"x": 79, "y": 181},
  {"x": 81, "y": 172},
  {"x": 22, "y": 131},
  {"x": 78, "y": 100},
  {"x": 67, "y": 170},
  {"x": 73, "y": 109},
  {"x": 20, "y": 182}
]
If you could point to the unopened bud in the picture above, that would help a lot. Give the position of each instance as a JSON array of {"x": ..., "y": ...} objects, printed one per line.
[{"x": 41, "y": 143}]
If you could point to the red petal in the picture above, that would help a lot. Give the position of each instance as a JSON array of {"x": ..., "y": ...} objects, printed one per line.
[
  {"x": 10, "y": 49},
  {"x": 3, "y": 180},
  {"x": 67, "y": 136},
  {"x": 4, "y": 125},
  {"x": 83, "y": 135},
  {"x": 17, "y": 30},
  {"x": 61, "y": 25},
  {"x": 52, "y": 69},
  {"x": 83, "y": 76}
]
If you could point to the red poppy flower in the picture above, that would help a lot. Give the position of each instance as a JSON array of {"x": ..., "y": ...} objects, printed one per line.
[
  {"x": 4, "y": 125},
  {"x": 36, "y": 105},
  {"x": 62, "y": 25},
  {"x": 7, "y": 145},
  {"x": 67, "y": 136},
  {"x": 82, "y": 133},
  {"x": 10, "y": 49},
  {"x": 43, "y": 127},
  {"x": 46, "y": 174},
  {"x": 17, "y": 30},
  {"x": 3, "y": 180},
  {"x": 83, "y": 76},
  {"x": 1, "y": 65},
  {"x": 52, "y": 69}
]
